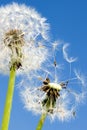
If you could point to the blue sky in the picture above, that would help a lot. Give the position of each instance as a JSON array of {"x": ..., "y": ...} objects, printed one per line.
[{"x": 68, "y": 20}]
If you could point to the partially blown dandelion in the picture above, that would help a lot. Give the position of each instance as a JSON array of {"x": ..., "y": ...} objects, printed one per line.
[
  {"x": 55, "y": 98},
  {"x": 21, "y": 31}
]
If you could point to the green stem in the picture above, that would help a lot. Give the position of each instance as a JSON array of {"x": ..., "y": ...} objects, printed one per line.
[
  {"x": 41, "y": 121},
  {"x": 8, "y": 102}
]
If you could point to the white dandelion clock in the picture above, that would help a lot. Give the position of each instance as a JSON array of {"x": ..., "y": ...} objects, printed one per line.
[
  {"x": 21, "y": 30},
  {"x": 57, "y": 96},
  {"x": 51, "y": 98},
  {"x": 56, "y": 100}
]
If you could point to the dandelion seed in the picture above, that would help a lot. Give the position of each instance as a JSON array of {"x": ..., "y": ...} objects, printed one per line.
[
  {"x": 80, "y": 77},
  {"x": 66, "y": 57},
  {"x": 56, "y": 44}
]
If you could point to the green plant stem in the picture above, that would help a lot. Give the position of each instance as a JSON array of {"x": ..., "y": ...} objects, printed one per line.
[
  {"x": 41, "y": 121},
  {"x": 8, "y": 102}
]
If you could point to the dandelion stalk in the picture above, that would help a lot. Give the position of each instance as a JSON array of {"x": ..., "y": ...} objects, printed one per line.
[
  {"x": 49, "y": 102},
  {"x": 8, "y": 103},
  {"x": 41, "y": 121},
  {"x": 15, "y": 44}
]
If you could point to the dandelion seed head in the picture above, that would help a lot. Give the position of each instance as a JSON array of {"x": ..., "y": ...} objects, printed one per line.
[
  {"x": 53, "y": 93},
  {"x": 64, "y": 108},
  {"x": 24, "y": 25},
  {"x": 33, "y": 98}
]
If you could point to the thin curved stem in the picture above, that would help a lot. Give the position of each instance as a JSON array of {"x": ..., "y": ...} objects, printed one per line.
[
  {"x": 41, "y": 121},
  {"x": 8, "y": 102}
]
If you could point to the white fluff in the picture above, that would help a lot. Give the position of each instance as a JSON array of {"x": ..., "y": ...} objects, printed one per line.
[
  {"x": 17, "y": 16},
  {"x": 65, "y": 54}
]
